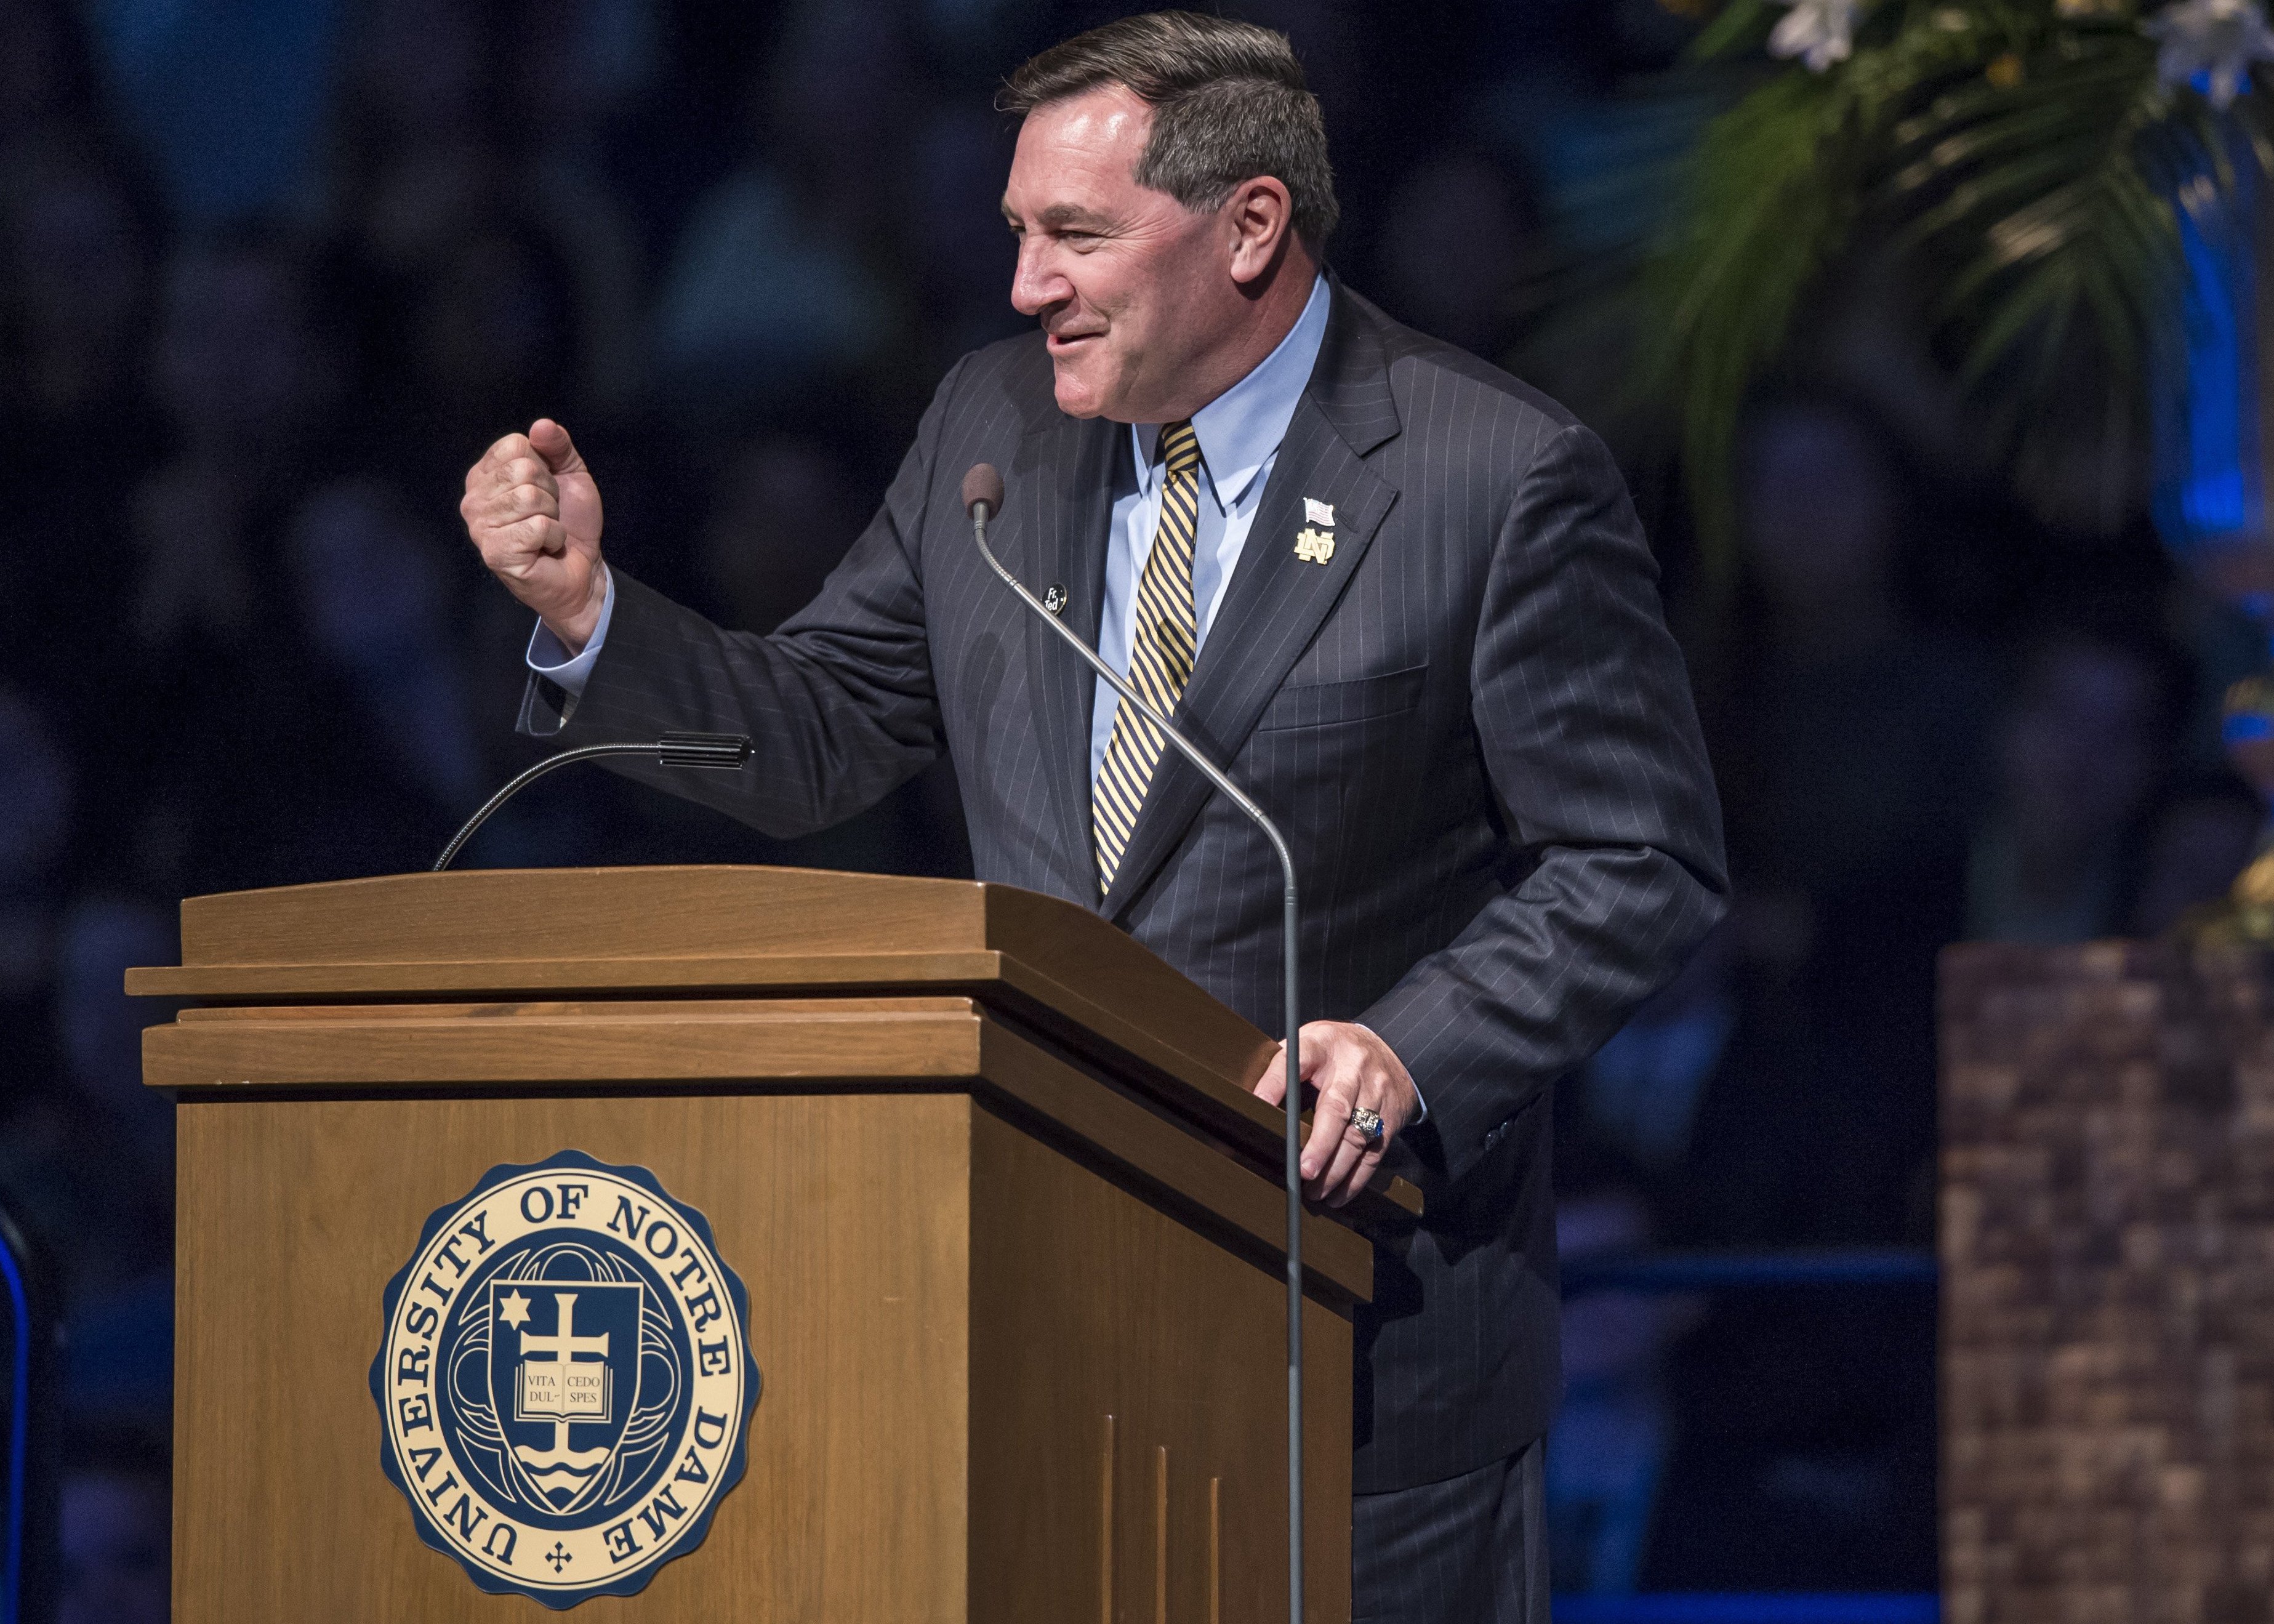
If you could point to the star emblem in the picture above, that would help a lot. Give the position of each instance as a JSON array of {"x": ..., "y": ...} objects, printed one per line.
[{"x": 514, "y": 1310}]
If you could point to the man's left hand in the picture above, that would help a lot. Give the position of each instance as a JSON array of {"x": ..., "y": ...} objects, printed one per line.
[{"x": 1350, "y": 1067}]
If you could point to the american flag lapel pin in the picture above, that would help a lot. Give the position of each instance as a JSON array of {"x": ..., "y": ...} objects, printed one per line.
[{"x": 1315, "y": 544}]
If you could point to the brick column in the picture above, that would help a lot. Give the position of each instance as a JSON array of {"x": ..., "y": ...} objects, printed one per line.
[{"x": 2108, "y": 1243}]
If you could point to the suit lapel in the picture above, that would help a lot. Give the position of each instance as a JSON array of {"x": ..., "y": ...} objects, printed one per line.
[
  {"x": 1276, "y": 601},
  {"x": 1059, "y": 505}
]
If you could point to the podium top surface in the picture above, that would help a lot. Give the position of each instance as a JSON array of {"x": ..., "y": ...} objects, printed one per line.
[{"x": 719, "y": 931}]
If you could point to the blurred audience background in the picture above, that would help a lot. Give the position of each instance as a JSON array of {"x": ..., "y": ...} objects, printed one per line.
[{"x": 273, "y": 274}]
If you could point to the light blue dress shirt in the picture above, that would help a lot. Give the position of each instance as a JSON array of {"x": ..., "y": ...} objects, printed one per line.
[
  {"x": 1240, "y": 434},
  {"x": 549, "y": 657}
]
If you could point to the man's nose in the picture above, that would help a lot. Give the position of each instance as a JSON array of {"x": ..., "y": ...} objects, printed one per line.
[{"x": 1035, "y": 285}]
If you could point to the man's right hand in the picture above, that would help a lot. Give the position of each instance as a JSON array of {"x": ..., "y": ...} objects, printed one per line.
[{"x": 532, "y": 509}]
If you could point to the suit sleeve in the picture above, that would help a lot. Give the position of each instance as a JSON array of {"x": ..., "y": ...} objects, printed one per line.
[
  {"x": 840, "y": 703},
  {"x": 1589, "y": 739}
]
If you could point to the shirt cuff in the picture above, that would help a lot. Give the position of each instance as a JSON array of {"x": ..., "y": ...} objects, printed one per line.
[
  {"x": 550, "y": 660},
  {"x": 1419, "y": 1099}
]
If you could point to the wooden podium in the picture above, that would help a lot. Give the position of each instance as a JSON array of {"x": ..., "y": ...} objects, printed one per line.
[{"x": 1009, "y": 1221}]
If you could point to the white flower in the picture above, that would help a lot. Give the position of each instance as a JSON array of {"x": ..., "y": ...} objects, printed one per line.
[
  {"x": 2219, "y": 37},
  {"x": 1819, "y": 32}
]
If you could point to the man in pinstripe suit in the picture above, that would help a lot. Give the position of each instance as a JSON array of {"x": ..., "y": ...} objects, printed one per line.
[{"x": 1403, "y": 598}]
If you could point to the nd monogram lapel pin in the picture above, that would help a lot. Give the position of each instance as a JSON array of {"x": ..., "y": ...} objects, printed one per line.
[{"x": 1312, "y": 544}]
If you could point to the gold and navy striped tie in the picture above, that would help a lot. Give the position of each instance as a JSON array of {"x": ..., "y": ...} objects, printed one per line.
[{"x": 1161, "y": 650}]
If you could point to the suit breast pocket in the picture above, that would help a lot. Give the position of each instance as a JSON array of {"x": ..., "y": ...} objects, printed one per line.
[{"x": 1362, "y": 699}]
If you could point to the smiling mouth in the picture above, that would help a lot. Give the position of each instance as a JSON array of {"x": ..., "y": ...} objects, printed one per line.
[{"x": 1067, "y": 340}]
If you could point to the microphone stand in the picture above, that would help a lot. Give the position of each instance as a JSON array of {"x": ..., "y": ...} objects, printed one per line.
[
  {"x": 725, "y": 752},
  {"x": 979, "y": 508}
]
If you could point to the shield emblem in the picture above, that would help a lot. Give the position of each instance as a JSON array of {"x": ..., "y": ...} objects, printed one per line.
[{"x": 564, "y": 1380}]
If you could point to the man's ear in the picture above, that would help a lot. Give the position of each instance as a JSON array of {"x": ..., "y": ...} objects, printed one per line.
[{"x": 1261, "y": 218}]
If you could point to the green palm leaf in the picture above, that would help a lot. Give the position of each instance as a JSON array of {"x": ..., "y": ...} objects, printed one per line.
[
  {"x": 2025, "y": 169},
  {"x": 1762, "y": 227}
]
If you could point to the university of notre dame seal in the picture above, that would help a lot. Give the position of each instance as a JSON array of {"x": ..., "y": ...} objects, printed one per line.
[{"x": 565, "y": 1379}]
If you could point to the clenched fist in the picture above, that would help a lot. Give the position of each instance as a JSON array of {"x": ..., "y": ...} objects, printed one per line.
[{"x": 532, "y": 509}]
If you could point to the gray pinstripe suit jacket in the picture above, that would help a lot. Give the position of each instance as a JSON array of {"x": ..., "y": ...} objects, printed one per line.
[{"x": 1470, "y": 722}]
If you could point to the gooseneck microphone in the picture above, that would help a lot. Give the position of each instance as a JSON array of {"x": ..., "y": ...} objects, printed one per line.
[
  {"x": 719, "y": 752},
  {"x": 982, "y": 498}
]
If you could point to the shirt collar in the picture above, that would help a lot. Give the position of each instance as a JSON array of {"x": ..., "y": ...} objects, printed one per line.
[{"x": 1239, "y": 429}]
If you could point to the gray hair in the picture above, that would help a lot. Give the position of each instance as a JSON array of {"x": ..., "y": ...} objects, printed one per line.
[{"x": 1228, "y": 103}]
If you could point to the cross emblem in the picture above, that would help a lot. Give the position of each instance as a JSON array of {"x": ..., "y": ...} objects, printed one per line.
[
  {"x": 548, "y": 1390},
  {"x": 565, "y": 1346},
  {"x": 559, "y": 1556}
]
